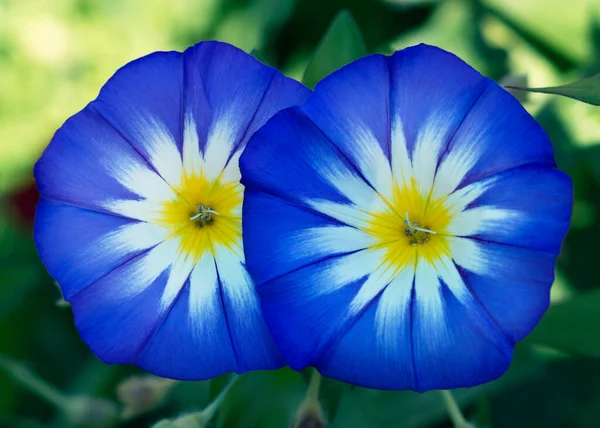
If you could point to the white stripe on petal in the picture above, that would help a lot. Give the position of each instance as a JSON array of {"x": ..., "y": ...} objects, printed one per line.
[
  {"x": 181, "y": 268},
  {"x": 372, "y": 161},
  {"x": 452, "y": 170},
  {"x": 135, "y": 236},
  {"x": 393, "y": 307},
  {"x": 143, "y": 210},
  {"x": 377, "y": 282},
  {"x": 140, "y": 179},
  {"x": 469, "y": 255},
  {"x": 482, "y": 219},
  {"x": 205, "y": 296},
  {"x": 401, "y": 165},
  {"x": 349, "y": 268},
  {"x": 235, "y": 280},
  {"x": 218, "y": 146},
  {"x": 447, "y": 271},
  {"x": 428, "y": 293},
  {"x": 350, "y": 185},
  {"x": 231, "y": 173},
  {"x": 192, "y": 160},
  {"x": 329, "y": 240},
  {"x": 428, "y": 149},
  {"x": 347, "y": 214},
  {"x": 460, "y": 199},
  {"x": 142, "y": 272},
  {"x": 164, "y": 154}
]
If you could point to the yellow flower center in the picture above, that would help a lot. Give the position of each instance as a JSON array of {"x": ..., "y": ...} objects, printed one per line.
[
  {"x": 204, "y": 214},
  {"x": 412, "y": 225}
]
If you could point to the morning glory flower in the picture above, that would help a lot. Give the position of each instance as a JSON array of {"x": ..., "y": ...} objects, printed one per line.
[
  {"x": 140, "y": 213},
  {"x": 402, "y": 226}
]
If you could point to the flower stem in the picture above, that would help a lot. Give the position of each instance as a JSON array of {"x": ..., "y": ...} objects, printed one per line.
[
  {"x": 210, "y": 410},
  {"x": 456, "y": 416},
  {"x": 201, "y": 418},
  {"x": 23, "y": 376},
  {"x": 314, "y": 386}
]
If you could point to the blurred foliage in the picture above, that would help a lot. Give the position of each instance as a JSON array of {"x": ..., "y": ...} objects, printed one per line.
[{"x": 54, "y": 57}]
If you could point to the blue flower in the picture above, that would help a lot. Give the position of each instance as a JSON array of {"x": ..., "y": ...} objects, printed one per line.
[
  {"x": 402, "y": 226},
  {"x": 140, "y": 213}
]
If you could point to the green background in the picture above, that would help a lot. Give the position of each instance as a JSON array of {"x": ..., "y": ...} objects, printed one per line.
[{"x": 56, "y": 54}]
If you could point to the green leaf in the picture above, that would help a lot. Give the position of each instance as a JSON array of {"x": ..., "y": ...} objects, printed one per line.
[
  {"x": 586, "y": 90},
  {"x": 262, "y": 399},
  {"x": 341, "y": 44},
  {"x": 571, "y": 326}
]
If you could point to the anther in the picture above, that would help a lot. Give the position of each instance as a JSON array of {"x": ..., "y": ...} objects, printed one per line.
[
  {"x": 416, "y": 234},
  {"x": 204, "y": 215}
]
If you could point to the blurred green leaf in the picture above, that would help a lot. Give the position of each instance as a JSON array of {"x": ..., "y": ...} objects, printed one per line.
[
  {"x": 571, "y": 326},
  {"x": 549, "y": 26},
  {"x": 263, "y": 399},
  {"x": 259, "y": 56},
  {"x": 341, "y": 44},
  {"x": 586, "y": 90}
]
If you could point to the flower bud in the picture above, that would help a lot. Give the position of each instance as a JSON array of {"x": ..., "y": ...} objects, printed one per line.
[
  {"x": 142, "y": 394},
  {"x": 91, "y": 412}
]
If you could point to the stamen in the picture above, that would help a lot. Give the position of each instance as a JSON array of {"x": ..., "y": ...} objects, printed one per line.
[
  {"x": 417, "y": 234},
  {"x": 204, "y": 215},
  {"x": 423, "y": 230}
]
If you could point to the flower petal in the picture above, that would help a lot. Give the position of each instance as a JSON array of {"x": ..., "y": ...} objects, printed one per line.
[
  {"x": 498, "y": 134},
  {"x": 293, "y": 160},
  {"x": 89, "y": 164},
  {"x": 298, "y": 237},
  {"x": 384, "y": 329},
  {"x": 449, "y": 325},
  {"x": 79, "y": 246},
  {"x": 228, "y": 96},
  {"x": 528, "y": 206},
  {"x": 306, "y": 308},
  {"x": 512, "y": 283},
  {"x": 142, "y": 101},
  {"x": 117, "y": 314},
  {"x": 193, "y": 341},
  {"x": 350, "y": 107},
  {"x": 431, "y": 93},
  {"x": 252, "y": 342}
]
